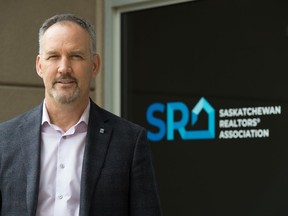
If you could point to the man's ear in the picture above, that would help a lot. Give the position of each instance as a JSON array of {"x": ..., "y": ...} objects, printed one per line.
[
  {"x": 96, "y": 65},
  {"x": 38, "y": 66}
]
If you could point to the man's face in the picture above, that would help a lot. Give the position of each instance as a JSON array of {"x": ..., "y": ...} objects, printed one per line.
[{"x": 65, "y": 63}]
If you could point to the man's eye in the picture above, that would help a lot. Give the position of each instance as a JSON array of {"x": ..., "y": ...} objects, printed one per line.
[
  {"x": 52, "y": 57},
  {"x": 77, "y": 57}
]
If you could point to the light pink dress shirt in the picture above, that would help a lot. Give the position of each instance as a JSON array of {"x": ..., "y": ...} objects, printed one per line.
[{"x": 61, "y": 166}]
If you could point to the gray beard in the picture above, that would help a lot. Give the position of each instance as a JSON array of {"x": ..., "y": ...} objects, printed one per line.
[{"x": 65, "y": 99}]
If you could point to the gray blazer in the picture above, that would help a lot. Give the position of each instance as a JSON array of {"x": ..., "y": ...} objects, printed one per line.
[{"x": 117, "y": 175}]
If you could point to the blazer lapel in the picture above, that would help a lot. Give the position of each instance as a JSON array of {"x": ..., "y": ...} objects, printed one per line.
[
  {"x": 98, "y": 137},
  {"x": 30, "y": 148}
]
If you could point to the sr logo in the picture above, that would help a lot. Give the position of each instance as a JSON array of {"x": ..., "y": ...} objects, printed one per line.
[{"x": 167, "y": 127}]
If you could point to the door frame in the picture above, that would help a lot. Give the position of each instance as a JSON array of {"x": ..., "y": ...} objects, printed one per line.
[{"x": 112, "y": 45}]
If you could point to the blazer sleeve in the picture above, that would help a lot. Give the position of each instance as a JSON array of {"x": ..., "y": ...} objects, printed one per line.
[
  {"x": 0, "y": 201},
  {"x": 144, "y": 196}
]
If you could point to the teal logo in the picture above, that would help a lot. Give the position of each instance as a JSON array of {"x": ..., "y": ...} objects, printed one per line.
[{"x": 166, "y": 128}]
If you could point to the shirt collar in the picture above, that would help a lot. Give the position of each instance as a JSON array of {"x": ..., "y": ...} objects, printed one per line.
[{"x": 84, "y": 117}]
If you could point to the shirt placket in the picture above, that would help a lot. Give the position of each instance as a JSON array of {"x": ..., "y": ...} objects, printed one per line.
[{"x": 61, "y": 178}]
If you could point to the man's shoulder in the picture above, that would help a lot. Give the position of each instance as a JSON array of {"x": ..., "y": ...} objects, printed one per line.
[
  {"x": 25, "y": 117},
  {"x": 116, "y": 120}
]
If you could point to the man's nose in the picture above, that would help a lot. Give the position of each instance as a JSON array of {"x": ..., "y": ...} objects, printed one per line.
[{"x": 64, "y": 66}]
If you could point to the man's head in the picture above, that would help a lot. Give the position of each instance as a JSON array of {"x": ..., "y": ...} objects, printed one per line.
[
  {"x": 67, "y": 59},
  {"x": 69, "y": 18}
]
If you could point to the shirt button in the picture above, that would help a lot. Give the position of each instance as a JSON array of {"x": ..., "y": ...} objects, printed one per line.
[
  {"x": 64, "y": 137},
  {"x": 62, "y": 166},
  {"x": 60, "y": 197}
]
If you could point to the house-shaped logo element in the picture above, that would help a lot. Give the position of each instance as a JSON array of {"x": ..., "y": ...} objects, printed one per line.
[
  {"x": 204, "y": 105},
  {"x": 209, "y": 133}
]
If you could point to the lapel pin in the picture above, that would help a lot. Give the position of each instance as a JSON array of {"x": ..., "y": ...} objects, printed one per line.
[{"x": 101, "y": 130}]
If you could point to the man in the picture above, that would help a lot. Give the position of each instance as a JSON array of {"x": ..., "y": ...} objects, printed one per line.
[{"x": 68, "y": 156}]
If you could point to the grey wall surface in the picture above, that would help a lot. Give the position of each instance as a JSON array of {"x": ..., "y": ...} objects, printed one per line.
[{"x": 20, "y": 87}]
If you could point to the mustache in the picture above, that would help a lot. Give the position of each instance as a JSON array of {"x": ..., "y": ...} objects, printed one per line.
[{"x": 66, "y": 78}]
